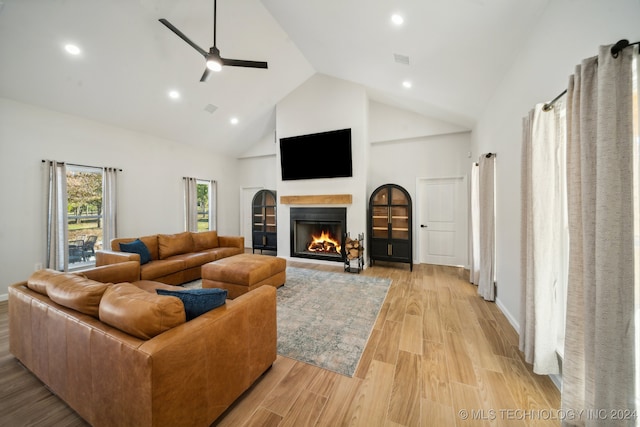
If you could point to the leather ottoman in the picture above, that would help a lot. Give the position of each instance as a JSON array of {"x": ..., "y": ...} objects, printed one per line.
[{"x": 242, "y": 273}]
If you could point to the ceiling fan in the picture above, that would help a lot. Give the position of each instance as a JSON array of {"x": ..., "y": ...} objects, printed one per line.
[{"x": 213, "y": 59}]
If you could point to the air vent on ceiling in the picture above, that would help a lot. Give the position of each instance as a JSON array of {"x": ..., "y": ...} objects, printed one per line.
[
  {"x": 210, "y": 108},
  {"x": 401, "y": 59}
]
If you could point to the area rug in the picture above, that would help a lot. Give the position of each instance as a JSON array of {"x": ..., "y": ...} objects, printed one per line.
[{"x": 324, "y": 318}]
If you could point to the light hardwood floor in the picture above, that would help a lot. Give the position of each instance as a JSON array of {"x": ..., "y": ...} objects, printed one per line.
[{"x": 438, "y": 356}]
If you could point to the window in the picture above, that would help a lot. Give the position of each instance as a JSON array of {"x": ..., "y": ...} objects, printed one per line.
[
  {"x": 84, "y": 215},
  {"x": 200, "y": 204},
  {"x": 204, "y": 188}
]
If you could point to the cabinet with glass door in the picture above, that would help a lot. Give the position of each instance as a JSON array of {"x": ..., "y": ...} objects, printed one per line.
[
  {"x": 264, "y": 218},
  {"x": 390, "y": 229}
]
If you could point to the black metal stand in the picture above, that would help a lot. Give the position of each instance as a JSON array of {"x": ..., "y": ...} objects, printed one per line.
[{"x": 359, "y": 260}]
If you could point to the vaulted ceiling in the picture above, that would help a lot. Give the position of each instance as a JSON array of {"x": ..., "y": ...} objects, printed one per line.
[{"x": 454, "y": 53}]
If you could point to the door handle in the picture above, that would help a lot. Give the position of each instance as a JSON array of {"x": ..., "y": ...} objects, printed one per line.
[{"x": 423, "y": 226}]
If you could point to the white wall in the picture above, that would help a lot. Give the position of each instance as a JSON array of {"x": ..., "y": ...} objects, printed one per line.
[
  {"x": 321, "y": 104},
  {"x": 150, "y": 187},
  {"x": 407, "y": 146},
  {"x": 402, "y": 162},
  {"x": 567, "y": 32}
]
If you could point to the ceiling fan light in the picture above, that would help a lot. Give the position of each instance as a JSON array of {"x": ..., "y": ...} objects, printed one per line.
[{"x": 214, "y": 64}]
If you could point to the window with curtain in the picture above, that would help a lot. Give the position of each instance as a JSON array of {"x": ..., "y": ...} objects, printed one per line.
[
  {"x": 81, "y": 213},
  {"x": 583, "y": 157},
  {"x": 199, "y": 204}
]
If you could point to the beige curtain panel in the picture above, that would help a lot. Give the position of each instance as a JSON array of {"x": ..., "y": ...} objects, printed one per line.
[
  {"x": 599, "y": 357},
  {"x": 544, "y": 237},
  {"x": 109, "y": 205},
  {"x": 55, "y": 183},
  {"x": 486, "y": 194},
  {"x": 474, "y": 274},
  {"x": 190, "y": 204}
]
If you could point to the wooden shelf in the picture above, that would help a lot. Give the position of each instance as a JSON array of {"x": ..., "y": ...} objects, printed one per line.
[{"x": 319, "y": 199}]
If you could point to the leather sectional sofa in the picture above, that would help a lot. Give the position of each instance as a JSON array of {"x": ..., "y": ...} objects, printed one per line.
[
  {"x": 174, "y": 258},
  {"x": 186, "y": 373}
]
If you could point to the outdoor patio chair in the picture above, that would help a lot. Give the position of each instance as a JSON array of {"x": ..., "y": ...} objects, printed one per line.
[
  {"x": 76, "y": 251},
  {"x": 88, "y": 248}
]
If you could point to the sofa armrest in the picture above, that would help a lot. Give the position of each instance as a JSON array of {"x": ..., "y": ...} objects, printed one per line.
[
  {"x": 128, "y": 271},
  {"x": 227, "y": 349},
  {"x": 231, "y": 241},
  {"x": 104, "y": 257}
]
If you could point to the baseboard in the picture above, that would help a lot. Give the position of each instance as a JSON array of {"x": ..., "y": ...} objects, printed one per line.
[
  {"x": 4, "y": 297},
  {"x": 556, "y": 379},
  {"x": 512, "y": 320}
]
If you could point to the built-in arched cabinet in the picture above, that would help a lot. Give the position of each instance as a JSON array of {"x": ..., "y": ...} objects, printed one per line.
[{"x": 263, "y": 220}]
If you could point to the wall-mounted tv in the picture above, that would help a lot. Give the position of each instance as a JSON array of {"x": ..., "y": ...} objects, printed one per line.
[{"x": 318, "y": 155}]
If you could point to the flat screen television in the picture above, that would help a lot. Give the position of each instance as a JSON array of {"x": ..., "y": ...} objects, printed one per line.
[{"x": 318, "y": 155}]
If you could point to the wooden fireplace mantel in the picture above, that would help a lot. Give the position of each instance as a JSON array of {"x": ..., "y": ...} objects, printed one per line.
[{"x": 317, "y": 199}]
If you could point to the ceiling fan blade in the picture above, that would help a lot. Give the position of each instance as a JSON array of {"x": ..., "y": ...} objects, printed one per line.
[
  {"x": 206, "y": 74},
  {"x": 179, "y": 33},
  {"x": 243, "y": 63}
]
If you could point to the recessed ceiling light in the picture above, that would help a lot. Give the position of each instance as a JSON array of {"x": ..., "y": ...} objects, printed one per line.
[
  {"x": 407, "y": 84},
  {"x": 397, "y": 19},
  {"x": 72, "y": 49},
  {"x": 174, "y": 94},
  {"x": 233, "y": 120}
]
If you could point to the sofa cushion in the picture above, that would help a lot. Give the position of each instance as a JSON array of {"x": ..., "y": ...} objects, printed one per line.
[
  {"x": 76, "y": 292},
  {"x": 137, "y": 247},
  {"x": 174, "y": 244},
  {"x": 161, "y": 268},
  {"x": 198, "y": 301},
  {"x": 225, "y": 252},
  {"x": 205, "y": 240},
  {"x": 140, "y": 313},
  {"x": 38, "y": 280},
  {"x": 151, "y": 242},
  {"x": 194, "y": 259}
]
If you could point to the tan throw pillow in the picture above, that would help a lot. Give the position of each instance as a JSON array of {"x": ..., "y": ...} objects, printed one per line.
[
  {"x": 140, "y": 313},
  {"x": 174, "y": 244},
  {"x": 76, "y": 292},
  {"x": 205, "y": 240}
]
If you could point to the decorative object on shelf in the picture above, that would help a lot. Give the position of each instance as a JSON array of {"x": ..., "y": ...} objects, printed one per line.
[
  {"x": 263, "y": 220},
  {"x": 353, "y": 253},
  {"x": 390, "y": 225}
]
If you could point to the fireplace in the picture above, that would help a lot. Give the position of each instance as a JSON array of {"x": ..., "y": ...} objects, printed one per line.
[{"x": 318, "y": 233}]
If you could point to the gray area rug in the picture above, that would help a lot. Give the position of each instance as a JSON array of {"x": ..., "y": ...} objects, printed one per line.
[{"x": 324, "y": 318}]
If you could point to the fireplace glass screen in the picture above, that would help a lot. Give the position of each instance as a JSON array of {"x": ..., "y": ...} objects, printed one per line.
[{"x": 318, "y": 233}]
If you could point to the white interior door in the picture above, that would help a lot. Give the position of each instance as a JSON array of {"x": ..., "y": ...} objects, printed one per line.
[
  {"x": 246, "y": 198},
  {"x": 442, "y": 221}
]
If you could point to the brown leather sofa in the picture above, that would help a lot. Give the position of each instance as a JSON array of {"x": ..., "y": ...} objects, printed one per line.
[
  {"x": 187, "y": 374},
  {"x": 175, "y": 258}
]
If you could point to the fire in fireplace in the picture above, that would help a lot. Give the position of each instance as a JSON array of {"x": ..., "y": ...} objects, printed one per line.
[
  {"x": 324, "y": 243},
  {"x": 318, "y": 233}
]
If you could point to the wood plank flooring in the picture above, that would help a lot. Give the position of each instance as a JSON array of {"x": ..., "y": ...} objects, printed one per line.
[{"x": 439, "y": 355}]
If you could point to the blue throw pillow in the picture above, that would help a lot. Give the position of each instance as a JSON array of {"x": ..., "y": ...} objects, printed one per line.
[
  {"x": 137, "y": 247},
  {"x": 198, "y": 301}
]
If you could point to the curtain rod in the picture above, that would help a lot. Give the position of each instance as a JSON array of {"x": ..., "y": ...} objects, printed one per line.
[
  {"x": 198, "y": 179},
  {"x": 615, "y": 51},
  {"x": 82, "y": 166}
]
